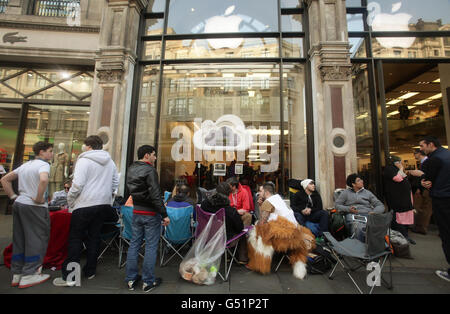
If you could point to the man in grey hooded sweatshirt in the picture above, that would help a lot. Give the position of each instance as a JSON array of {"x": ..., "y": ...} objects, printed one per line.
[{"x": 90, "y": 198}]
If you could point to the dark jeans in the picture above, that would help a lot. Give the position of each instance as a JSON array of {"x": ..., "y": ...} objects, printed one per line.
[
  {"x": 441, "y": 212},
  {"x": 318, "y": 216},
  {"x": 85, "y": 221}
]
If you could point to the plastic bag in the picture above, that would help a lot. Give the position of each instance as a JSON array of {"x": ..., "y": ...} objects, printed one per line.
[{"x": 202, "y": 262}]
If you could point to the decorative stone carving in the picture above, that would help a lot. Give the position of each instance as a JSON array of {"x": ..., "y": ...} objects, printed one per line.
[
  {"x": 110, "y": 75},
  {"x": 335, "y": 72}
]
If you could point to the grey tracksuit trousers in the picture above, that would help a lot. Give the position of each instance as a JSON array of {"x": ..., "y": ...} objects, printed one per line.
[{"x": 31, "y": 233}]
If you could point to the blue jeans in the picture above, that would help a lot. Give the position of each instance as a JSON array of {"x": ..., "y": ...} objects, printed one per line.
[{"x": 148, "y": 228}]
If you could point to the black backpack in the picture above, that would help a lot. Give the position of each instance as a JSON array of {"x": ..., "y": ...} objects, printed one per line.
[
  {"x": 320, "y": 261},
  {"x": 337, "y": 225}
]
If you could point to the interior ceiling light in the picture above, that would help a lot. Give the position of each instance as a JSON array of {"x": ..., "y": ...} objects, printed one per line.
[
  {"x": 408, "y": 95},
  {"x": 394, "y": 101},
  {"x": 437, "y": 81},
  {"x": 422, "y": 102},
  {"x": 437, "y": 96}
]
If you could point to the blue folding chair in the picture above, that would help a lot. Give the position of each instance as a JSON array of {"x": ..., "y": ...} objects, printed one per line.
[
  {"x": 178, "y": 234},
  {"x": 126, "y": 231}
]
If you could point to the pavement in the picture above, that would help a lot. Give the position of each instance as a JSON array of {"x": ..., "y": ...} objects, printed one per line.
[{"x": 410, "y": 276}]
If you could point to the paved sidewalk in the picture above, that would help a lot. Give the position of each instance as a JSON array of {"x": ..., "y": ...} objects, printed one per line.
[{"x": 409, "y": 276}]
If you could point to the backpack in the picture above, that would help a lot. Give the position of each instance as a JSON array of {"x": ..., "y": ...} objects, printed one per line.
[
  {"x": 319, "y": 261},
  {"x": 337, "y": 225}
]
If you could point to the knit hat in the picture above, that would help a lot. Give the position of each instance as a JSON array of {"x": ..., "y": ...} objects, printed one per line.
[{"x": 306, "y": 182}]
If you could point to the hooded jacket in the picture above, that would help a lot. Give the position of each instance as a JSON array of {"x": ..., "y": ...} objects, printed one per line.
[
  {"x": 233, "y": 221},
  {"x": 95, "y": 180},
  {"x": 300, "y": 201}
]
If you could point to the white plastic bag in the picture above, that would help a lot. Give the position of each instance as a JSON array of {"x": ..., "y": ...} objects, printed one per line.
[{"x": 202, "y": 262}]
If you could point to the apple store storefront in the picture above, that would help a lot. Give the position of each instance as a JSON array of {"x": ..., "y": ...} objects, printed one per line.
[{"x": 234, "y": 88}]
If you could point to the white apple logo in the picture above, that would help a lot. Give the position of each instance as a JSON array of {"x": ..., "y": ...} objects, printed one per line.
[
  {"x": 224, "y": 24},
  {"x": 382, "y": 22}
]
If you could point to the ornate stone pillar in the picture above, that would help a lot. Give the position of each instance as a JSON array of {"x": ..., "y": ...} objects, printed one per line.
[
  {"x": 334, "y": 124},
  {"x": 113, "y": 83}
]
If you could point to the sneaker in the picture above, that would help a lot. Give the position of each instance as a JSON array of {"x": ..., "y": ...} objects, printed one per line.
[
  {"x": 59, "y": 282},
  {"x": 443, "y": 274},
  {"x": 411, "y": 241},
  {"x": 16, "y": 280},
  {"x": 91, "y": 277},
  {"x": 148, "y": 288},
  {"x": 32, "y": 280},
  {"x": 133, "y": 283}
]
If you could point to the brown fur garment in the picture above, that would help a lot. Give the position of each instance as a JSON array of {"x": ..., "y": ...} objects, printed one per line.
[{"x": 278, "y": 235}]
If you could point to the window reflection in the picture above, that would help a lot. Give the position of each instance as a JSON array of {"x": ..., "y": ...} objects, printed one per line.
[
  {"x": 9, "y": 127},
  {"x": 411, "y": 47}
]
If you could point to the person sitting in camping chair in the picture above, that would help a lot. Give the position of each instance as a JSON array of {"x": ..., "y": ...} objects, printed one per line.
[{"x": 357, "y": 203}]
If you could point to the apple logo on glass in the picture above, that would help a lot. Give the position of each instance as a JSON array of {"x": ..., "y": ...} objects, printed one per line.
[
  {"x": 224, "y": 24},
  {"x": 382, "y": 22}
]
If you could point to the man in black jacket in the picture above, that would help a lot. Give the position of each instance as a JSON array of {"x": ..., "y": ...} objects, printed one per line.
[
  {"x": 148, "y": 211},
  {"x": 307, "y": 206},
  {"x": 437, "y": 179}
]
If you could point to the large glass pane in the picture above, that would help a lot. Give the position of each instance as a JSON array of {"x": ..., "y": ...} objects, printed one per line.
[
  {"x": 9, "y": 127},
  {"x": 63, "y": 126},
  {"x": 357, "y": 47},
  {"x": 411, "y": 15},
  {"x": 220, "y": 114},
  {"x": 363, "y": 124},
  {"x": 296, "y": 157},
  {"x": 154, "y": 26},
  {"x": 152, "y": 50},
  {"x": 291, "y": 3},
  {"x": 148, "y": 96},
  {"x": 292, "y": 47},
  {"x": 414, "y": 106},
  {"x": 222, "y": 48},
  {"x": 353, "y": 3},
  {"x": 156, "y": 5},
  {"x": 193, "y": 16},
  {"x": 411, "y": 47},
  {"x": 292, "y": 23},
  {"x": 355, "y": 22}
]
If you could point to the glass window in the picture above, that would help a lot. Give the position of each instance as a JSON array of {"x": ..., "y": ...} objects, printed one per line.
[
  {"x": 411, "y": 15},
  {"x": 222, "y": 122},
  {"x": 222, "y": 48},
  {"x": 363, "y": 124},
  {"x": 292, "y": 23},
  {"x": 357, "y": 47},
  {"x": 193, "y": 16},
  {"x": 408, "y": 47},
  {"x": 156, "y": 6},
  {"x": 415, "y": 94},
  {"x": 9, "y": 127},
  {"x": 154, "y": 26},
  {"x": 152, "y": 50},
  {"x": 63, "y": 126},
  {"x": 355, "y": 22},
  {"x": 145, "y": 124},
  {"x": 292, "y": 47},
  {"x": 295, "y": 122},
  {"x": 45, "y": 84},
  {"x": 353, "y": 3},
  {"x": 291, "y": 3}
]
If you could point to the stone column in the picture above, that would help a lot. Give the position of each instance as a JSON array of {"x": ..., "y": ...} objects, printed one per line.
[
  {"x": 113, "y": 83},
  {"x": 334, "y": 120}
]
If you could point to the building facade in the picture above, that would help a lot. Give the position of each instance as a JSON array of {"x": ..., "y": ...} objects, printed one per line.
[{"x": 265, "y": 89}]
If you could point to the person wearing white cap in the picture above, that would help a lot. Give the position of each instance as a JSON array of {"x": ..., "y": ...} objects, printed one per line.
[{"x": 307, "y": 206}]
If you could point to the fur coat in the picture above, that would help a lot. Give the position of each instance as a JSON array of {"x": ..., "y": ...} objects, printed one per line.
[{"x": 280, "y": 235}]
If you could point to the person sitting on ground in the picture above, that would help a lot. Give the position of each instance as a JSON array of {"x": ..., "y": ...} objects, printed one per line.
[
  {"x": 239, "y": 199},
  {"x": 277, "y": 230},
  {"x": 356, "y": 200},
  {"x": 181, "y": 197},
  {"x": 60, "y": 197},
  {"x": 307, "y": 206}
]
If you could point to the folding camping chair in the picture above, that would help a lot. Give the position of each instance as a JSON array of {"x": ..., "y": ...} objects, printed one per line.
[
  {"x": 231, "y": 245},
  {"x": 375, "y": 248},
  {"x": 110, "y": 231},
  {"x": 178, "y": 234},
  {"x": 126, "y": 231}
]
